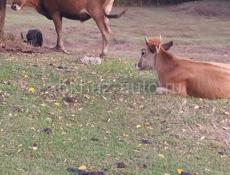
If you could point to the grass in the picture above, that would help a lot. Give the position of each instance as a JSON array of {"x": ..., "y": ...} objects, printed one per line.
[
  {"x": 100, "y": 115},
  {"x": 105, "y": 126}
]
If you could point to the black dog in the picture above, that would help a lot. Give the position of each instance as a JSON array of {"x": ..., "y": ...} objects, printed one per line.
[{"x": 33, "y": 37}]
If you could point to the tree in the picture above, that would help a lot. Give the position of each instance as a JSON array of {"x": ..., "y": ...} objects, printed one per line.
[{"x": 2, "y": 16}]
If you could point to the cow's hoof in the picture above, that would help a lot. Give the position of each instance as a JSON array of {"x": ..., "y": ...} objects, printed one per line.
[
  {"x": 61, "y": 49},
  {"x": 66, "y": 52},
  {"x": 102, "y": 55}
]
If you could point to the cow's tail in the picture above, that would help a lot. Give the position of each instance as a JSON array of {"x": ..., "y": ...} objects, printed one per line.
[{"x": 114, "y": 16}]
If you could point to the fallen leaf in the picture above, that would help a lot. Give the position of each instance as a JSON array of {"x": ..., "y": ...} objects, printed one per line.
[
  {"x": 179, "y": 170},
  {"x": 82, "y": 167},
  {"x": 138, "y": 126},
  {"x": 161, "y": 156},
  {"x": 57, "y": 104},
  {"x": 35, "y": 147},
  {"x": 20, "y": 150},
  {"x": 226, "y": 128},
  {"x": 104, "y": 97},
  {"x": 31, "y": 90},
  {"x": 202, "y": 138}
]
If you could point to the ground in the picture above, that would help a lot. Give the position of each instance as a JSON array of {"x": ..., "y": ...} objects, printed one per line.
[{"x": 57, "y": 113}]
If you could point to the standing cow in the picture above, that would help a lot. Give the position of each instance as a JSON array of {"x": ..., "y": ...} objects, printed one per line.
[{"x": 81, "y": 10}]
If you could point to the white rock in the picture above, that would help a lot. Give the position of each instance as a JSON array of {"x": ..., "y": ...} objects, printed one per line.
[{"x": 91, "y": 60}]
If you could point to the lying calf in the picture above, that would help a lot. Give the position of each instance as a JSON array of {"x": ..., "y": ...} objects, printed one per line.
[{"x": 185, "y": 76}]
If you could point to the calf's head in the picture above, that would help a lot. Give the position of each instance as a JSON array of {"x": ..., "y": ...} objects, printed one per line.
[
  {"x": 18, "y": 4},
  {"x": 148, "y": 54}
]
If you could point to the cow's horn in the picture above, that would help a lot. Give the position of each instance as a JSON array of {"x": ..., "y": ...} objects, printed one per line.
[{"x": 146, "y": 39}]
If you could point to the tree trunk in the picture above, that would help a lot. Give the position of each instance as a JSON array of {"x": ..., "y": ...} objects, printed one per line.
[{"x": 2, "y": 16}]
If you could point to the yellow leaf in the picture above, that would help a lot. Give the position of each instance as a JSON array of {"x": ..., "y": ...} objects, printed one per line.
[
  {"x": 20, "y": 150},
  {"x": 161, "y": 156},
  {"x": 57, "y": 104},
  {"x": 202, "y": 138},
  {"x": 34, "y": 148},
  {"x": 82, "y": 167},
  {"x": 138, "y": 126},
  {"x": 31, "y": 90},
  {"x": 179, "y": 170}
]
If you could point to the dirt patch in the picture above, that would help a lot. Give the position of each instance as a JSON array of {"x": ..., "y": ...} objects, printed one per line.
[
  {"x": 11, "y": 44},
  {"x": 204, "y": 53},
  {"x": 84, "y": 39},
  {"x": 204, "y": 8}
]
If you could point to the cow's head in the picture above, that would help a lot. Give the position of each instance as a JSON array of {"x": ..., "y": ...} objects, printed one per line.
[
  {"x": 148, "y": 54},
  {"x": 18, "y": 4}
]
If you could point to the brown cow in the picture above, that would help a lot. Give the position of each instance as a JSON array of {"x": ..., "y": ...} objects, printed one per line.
[
  {"x": 81, "y": 10},
  {"x": 185, "y": 76}
]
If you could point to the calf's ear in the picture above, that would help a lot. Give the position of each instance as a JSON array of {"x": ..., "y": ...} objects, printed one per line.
[{"x": 168, "y": 45}]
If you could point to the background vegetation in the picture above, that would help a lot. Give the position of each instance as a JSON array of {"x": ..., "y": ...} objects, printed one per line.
[
  {"x": 150, "y": 2},
  {"x": 145, "y": 2}
]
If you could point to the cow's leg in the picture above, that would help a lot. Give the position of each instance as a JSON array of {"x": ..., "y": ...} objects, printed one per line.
[
  {"x": 163, "y": 91},
  {"x": 105, "y": 31},
  {"x": 179, "y": 89},
  {"x": 58, "y": 27},
  {"x": 108, "y": 25},
  {"x": 174, "y": 89}
]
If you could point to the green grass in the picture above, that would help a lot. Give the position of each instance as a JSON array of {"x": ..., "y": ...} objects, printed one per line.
[{"x": 101, "y": 129}]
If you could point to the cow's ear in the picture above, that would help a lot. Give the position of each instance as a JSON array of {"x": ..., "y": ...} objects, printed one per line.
[{"x": 168, "y": 45}]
